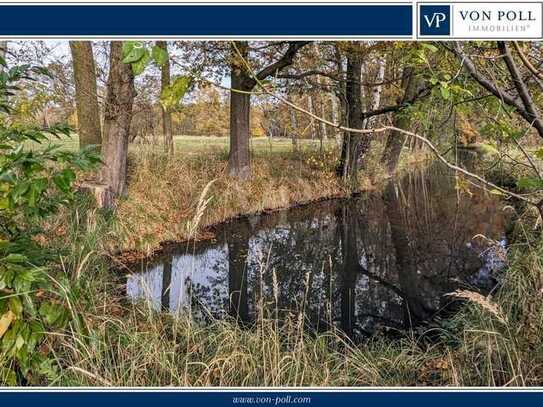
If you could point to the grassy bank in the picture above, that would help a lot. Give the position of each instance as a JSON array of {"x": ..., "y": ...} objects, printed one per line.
[
  {"x": 164, "y": 193},
  {"x": 492, "y": 341}
]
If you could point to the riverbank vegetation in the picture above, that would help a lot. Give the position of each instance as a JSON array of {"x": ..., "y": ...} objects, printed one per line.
[
  {"x": 492, "y": 341},
  {"x": 161, "y": 150}
]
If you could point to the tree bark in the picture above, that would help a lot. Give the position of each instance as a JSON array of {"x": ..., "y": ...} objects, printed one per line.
[
  {"x": 521, "y": 87},
  {"x": 395, "y": 140},
  {"x": 313, "y": 124},
  {"x": 376, "y": 93},
  {"x": 335, "y": 118},
  {"x": 166, "y": 114},
  {"x": 242, "y": 83},
  {"x": 293, "y": 129},
  {"x": 88, "y": 112},
  {"x": 501, "y": 94},
  {"x": 239, "y": 164},
  {"x": 324, "y": 128},
  {"x": 354, "y": 144},
  {"x": 117, "y": 119},
  {"x": 3, "y": 51},
  {"x": 102, "y": 193},
  {"x": 341, "y": 72}
]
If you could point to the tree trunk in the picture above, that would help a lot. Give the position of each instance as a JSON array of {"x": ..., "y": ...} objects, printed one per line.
[
  {"x": 314, "y": 127},
  {"x": 239, "y": 164},
  {"x": 324, "y": 131},
  {"x": 117, "y": 119},
  {"x": 3, "y": 51},
  {"x": 242, "y": 82},
  {"x": 395, "y": 140},
  {"x": 354, "y": 144},
  {"x": 294, "y": 129},
  {"x": 339, "y": 110},
  {"x": 376, "y": 93},
  {"x": 522, "y": 89},
  {"x": 88, "y": 112},
  {"x": 102, "y": 193},
  {"x": 335, "y": 118},
  {"x": 364, "y": 98},
  {"x": 166, "y": 114}
]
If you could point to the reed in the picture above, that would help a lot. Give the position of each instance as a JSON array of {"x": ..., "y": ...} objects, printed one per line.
[
  {"x": 494, "y": 341},
  {"x": 163, "y": 194},
  {"x": 490, "y": 342}
]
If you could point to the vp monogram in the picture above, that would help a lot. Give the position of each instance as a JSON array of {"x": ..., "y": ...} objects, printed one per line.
[{"x": 435, "y": 20}]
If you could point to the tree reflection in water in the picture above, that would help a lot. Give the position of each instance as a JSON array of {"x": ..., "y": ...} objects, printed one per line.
[{"x": 385, "y": 259}]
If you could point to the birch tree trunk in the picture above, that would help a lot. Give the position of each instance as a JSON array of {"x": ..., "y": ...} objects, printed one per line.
[
  {"x": 376, "y": 92},
  {"x": 324, "y": 131},
  {"x": 363, "y": 96},
  {"x": 293, "y": 129},
  {"x": 314, "y": 126},
  {"x": 335, "y": 118}
]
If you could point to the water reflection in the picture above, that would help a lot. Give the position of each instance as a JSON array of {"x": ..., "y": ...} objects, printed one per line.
[{"x": 385, "y": 259}]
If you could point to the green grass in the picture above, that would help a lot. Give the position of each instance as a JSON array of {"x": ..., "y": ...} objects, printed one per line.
[{"x": 200, "y": 144}]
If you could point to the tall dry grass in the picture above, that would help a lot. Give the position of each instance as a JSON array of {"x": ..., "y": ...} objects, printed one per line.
[
  {"x": 163, "y": 194},
  {"x": 133, "y": 345},
  {"x": 492, "y": 341}
]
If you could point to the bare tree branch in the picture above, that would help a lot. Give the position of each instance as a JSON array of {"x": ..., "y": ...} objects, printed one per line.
[
  {"x": 521, "y": 87},
  {"x": 278, "y": 65},
  {"x": 529, "y": 114},
  {"x": 527, "y": 63}
]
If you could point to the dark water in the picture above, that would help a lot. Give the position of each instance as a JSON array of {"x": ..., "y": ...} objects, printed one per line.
[{"x": 385, "y": 259}]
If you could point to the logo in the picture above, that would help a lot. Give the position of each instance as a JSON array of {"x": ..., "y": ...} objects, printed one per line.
[
  {"x": 497, "y": 20},
  {"x": 435, "y": 20},
  {"x": 480, "y": 20}
]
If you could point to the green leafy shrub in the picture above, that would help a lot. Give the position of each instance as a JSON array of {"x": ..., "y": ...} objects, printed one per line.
[{"x": 34, "y": 183}]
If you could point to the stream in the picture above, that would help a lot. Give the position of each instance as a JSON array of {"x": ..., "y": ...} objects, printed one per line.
[{"x": 382, "y": 260}]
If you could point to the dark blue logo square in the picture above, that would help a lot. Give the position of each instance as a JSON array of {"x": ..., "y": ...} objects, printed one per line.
[{"x": 435, "y": 20}]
